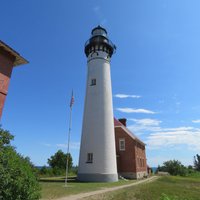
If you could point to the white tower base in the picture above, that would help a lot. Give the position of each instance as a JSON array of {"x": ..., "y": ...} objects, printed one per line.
[{"x": 98, "y": 177}]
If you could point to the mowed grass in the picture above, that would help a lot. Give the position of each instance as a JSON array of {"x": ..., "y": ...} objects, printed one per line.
[
  {"x": 176, "y": 188},
  {"x": 53, "y": 188}
]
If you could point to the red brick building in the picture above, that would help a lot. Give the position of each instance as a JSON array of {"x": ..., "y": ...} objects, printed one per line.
[
  {"x": 130, "y": 150},
  {"x": 9, "y": 58}
]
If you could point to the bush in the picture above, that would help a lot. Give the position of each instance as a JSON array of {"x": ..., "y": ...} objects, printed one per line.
[
  {"x": 174, "y": 167},
  {"x": 17, "y": 176},
  {"x": 74, "y": 170}
]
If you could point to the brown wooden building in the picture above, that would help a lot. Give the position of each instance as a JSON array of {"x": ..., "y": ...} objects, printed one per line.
[
  {"x": 9, "y": 58},
  {"x": 130, "y": 150}
]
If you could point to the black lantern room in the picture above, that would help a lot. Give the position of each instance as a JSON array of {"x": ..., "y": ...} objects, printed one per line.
[{"x": 99, "y": 42}]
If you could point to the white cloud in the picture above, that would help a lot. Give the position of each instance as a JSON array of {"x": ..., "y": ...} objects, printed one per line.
[
  {"x": 142, "y": 125},
  {"x": 166, "y": 137},
  {"x": 196, "y": 121},
  {"x": 183, "y": 128},
  {"x": 46, "y": 144},
  {"x": 133, "y": 110},
  {"x": 140, "y": 130},
  {"x": 72, "y": 145},
  {"x": 170, "y": 137},
  {"x": 147, "y": 122},
  {"x": 61, "y": 145},
  {"x": 123, "y": 96}
]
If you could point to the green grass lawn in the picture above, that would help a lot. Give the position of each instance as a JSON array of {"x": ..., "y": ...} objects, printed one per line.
[
  {"x": 53, "y": 187},
  {"x": 176, "y": 188}
]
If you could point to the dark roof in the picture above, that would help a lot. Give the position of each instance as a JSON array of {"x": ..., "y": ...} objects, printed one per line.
[
  {"x": 117, "y": 123},
  {"x": 99, "y": 27},
  {"x": 19, "y": 60}
]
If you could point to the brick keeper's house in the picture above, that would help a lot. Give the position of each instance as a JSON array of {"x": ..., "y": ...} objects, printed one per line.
[{"x": 130, "y": 150}]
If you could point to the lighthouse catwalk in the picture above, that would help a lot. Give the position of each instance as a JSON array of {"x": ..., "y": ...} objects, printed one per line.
[{"x": 97, "y": 160}]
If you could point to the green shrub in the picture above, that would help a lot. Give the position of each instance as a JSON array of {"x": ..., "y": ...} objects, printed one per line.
[
  {"x": 174, "y": 167},
  {"x": 17, "y": 175}
]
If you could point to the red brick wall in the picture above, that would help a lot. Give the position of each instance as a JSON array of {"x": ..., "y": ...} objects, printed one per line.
[
  {"x": 125, "y": 159},
  {"x": 6, "y": 66},
  {"x": 133, "y": 159},
  {"x": 140, "y": 157}
]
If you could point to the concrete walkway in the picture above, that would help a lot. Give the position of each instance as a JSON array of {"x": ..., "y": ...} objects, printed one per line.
[{"x": 88, "y": 194}]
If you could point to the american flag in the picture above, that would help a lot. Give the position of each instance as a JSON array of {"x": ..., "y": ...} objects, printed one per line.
[{"x": 72, "y": 100}]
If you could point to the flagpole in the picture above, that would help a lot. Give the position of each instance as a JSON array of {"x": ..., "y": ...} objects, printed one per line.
[{"x": 70, "y": 124}]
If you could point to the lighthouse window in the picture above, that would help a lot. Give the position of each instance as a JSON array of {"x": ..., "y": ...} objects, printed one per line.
[
  {"x": 93, "y": 82},
  {"x": 90, "y": 158},
  {"x": 122, "y": 144}
]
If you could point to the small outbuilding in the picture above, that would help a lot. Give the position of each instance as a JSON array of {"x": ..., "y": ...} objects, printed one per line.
[{"x": 130, "y": 150}]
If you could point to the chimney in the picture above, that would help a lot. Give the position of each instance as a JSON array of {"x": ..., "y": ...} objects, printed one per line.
[{"x": 123, "y": 121}]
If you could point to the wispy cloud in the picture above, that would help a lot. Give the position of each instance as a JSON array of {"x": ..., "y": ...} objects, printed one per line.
[
  {"x": 99, "y": 14},
  {"x": 141, "y": 130},
  {"x": 73, "y": 145},
  {"x": 170, "y": 137},
  {"x": 133, "y": 110},
  {"x": 196, "y": 121},
  {"x": 147, "y": 122},
  {"x": 142, "y": 125},
  {"x": 123, "y": 96},
  {"x": 46, "y": 144},
  {"x": 183, "y": 128},
  {"x": 158, "y": 137}
]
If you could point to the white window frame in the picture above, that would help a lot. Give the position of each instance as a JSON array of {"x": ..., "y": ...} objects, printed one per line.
[{"x": 122, "y": 144}]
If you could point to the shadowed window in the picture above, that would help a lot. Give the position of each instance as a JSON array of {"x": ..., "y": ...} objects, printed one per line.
[
  {"x": 93, "y": 82},
  {"x": 90, "y": 158}
]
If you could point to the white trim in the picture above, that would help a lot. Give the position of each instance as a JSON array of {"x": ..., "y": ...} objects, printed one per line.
[{"x": 122, "y": 146}]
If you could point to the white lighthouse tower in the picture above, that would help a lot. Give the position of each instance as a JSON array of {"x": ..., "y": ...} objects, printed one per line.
[{"x": 97, "y": 160}]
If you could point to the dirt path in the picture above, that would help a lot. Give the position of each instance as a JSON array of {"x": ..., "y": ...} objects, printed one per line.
[{"x": 87, "y": 194}]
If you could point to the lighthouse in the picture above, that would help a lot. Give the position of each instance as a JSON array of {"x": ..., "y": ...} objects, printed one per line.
[{"x": 97, "y": 161}]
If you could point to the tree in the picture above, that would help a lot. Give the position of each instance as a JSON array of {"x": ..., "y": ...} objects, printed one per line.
[
  {"x": 5, "y": 138},
  {"x": 197, "y": 162},
  {"x": 59, "y": 160},
  {"x": 46, "y": 171},
  {"x": 17, "y": 178},
  {"x": 174, "y": 167}
]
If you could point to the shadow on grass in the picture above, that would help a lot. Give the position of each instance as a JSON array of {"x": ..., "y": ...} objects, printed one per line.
[{"x": 71, "y": 179}]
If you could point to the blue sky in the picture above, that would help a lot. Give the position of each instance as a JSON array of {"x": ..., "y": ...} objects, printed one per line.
[{"x": 155, "y": 73}]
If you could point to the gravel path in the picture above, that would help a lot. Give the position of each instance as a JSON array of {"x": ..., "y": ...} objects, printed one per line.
[{"x": 87, "y": 194}]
